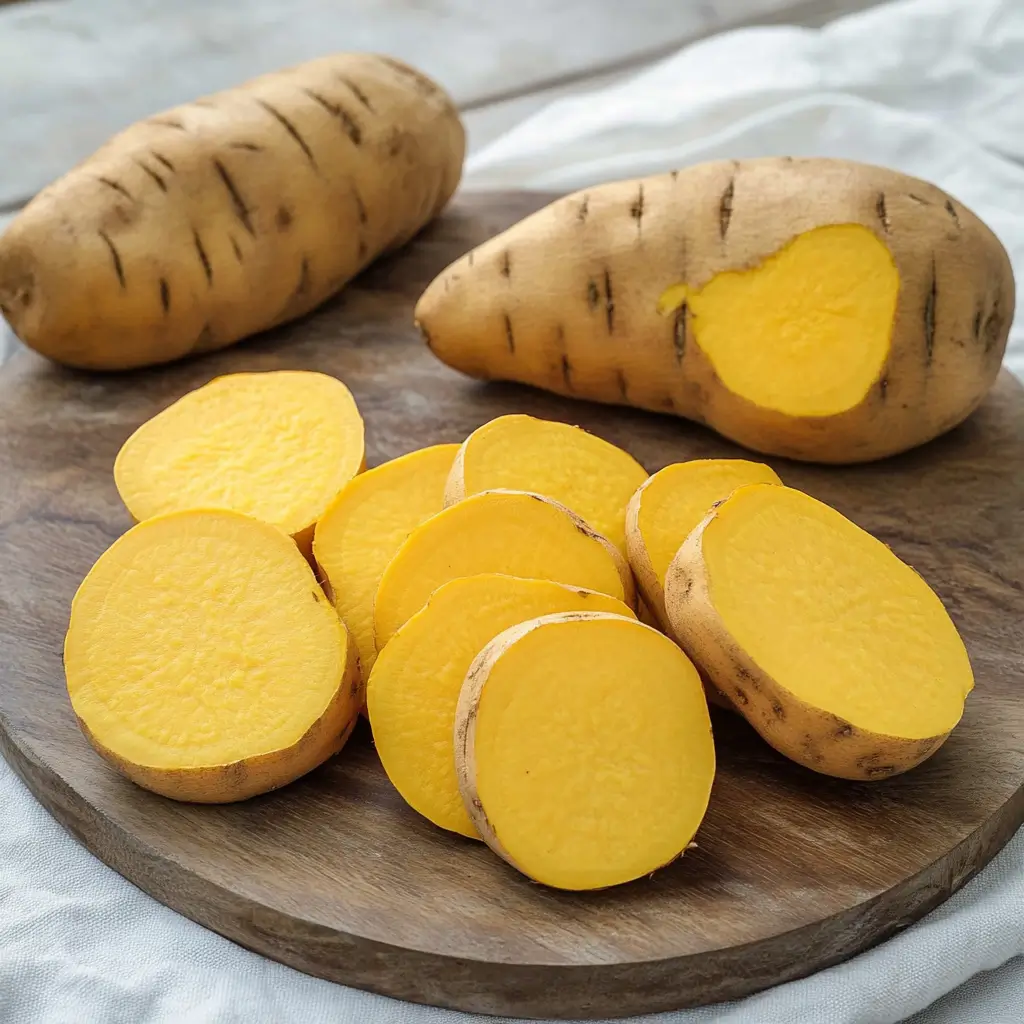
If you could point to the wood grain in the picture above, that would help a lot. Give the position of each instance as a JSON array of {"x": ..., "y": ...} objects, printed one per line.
[{"x": 335, "y": 876}]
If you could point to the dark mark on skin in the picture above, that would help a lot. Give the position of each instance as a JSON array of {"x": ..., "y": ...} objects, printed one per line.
[
  {"x": 879, "y": 770},
  {"x": 165, "y": 295},
  {"x": 620, "y": 378},
  {"x": 303, "y": 284},
  {"x": 117, "y": 187},
  {"x": 360, "y": 206},
  {"x": 673, "y": 175},
  {"x": 917, "y": 199},
  {"x": 289, "y": 128},
  {"x": 235, "y": 246},
  {"x": 350, "y": 125},
  {"x": 161, "y": 184},
  {"x": 883, "y": 387},
  {"x": 584, "y": 209},
  {"x": 593, "y": 295},
  {"x": 993, "y": 324},
  {"x": 843, "y": 730},
  {"x": 778, "y": 710},
  {"x": 316, "y": 596},
  {"x": 679, "y": 332},
  {"x": 688, "y": 588},
  {"x": 929, "y": 318},
  {"x": 506, "y": 264},
  {"x": 725, "y": 207},
  {"x": 883, "y": 214},
  {"x": 116, "y": 257},
  {"x": 609, "y": 303},
  {"x": 509, "y": 337},
  {"x": 469, "y": 259},
  {"x": 354, "y": 688},
  {"x": 977, "y": 324},
  {"x": 283, "y": 220},
  {"x": 363, "y": 250},
  {"x": 203, "y": 258},
  {"x": 741, "y": 695},
  {"x": 167, "y": 122},
  {"x": 249, "y": 146},
  {"x": 356, "y": 91},
  {"x": 636, "y": 211},
  {"x": 162, "y": 160},
  {"x": 951, "y": 210},
  {"x": 238, "y": 204},
  {"x": 567, "y": 372}
]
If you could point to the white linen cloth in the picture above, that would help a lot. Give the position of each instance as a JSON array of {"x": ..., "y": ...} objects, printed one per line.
[{"x": 933, "y": 87}]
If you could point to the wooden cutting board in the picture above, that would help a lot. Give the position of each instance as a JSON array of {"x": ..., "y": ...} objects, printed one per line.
[{"x": 335, "y": 876}]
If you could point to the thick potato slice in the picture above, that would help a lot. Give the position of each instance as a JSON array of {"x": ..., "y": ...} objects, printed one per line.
[
  {"x": 510, "y": 532},
  {"x": 226, "y": 216},
  {"x": 365, "y": 525},
  {"x": 668, "y": 506},
  {"x": 813, "y": 308},
  {"x": 278, "y": 446},
  {"x": 583, "y": 749},
  {"x": 204, "y": 661},
  {"x": 414, "y": 687},
  {"x": 522, "y": 453},
  {"x": 837, "y": 653}
]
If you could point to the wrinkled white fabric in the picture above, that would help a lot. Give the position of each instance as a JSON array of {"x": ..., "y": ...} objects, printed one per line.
[{"x": 930, "y": 86}]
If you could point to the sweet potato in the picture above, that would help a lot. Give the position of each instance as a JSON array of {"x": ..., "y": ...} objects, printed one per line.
[
  {"x": 836, "y": 652},
  {"x": 223, "y": 217},
  {"x": 585, "y": 473},
  {"x": 415, "y": 683},
  {"x": 510, "y": 532},
  {"x": 818, "y": 309},
  {"x": 278, "y": 446},
  {"x": 583, "y": 749},
  {"x": 365, "y": 525},
  {"x": 205, "y": 663}
]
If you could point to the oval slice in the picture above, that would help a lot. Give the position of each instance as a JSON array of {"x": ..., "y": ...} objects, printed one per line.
[
  {"x": 414, "y": 687},
  {"x": 204, "y": 661},
  {"x": 583, "y": 749},
  {"x": 522, "y": 453},
  {"x": 509, "y": 532},
  {"x": 668, "y": 506},
  {"x": 278, "y": 446},
  {"x": 365, "y": 525},
  {"x": 840, "y": 655}
]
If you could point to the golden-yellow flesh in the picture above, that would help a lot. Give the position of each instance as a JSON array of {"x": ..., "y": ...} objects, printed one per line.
[
  {"x": 277, "y": 446},
  {"x": 509, "y": 532},
  {"x": 585, "y": 473},
  {"x": 414, "y": 688},
  {"x": 201, "y": 639},
  {"x": 365, "y": 525},
  {"x": 833, "y": 616},
  {"x": 593, "y": 751},
  {"x": 679, "y": 496},
  {"x": 807, "y": 331}
]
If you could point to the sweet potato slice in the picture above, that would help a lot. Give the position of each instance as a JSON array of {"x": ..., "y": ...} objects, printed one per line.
[
  {"x": 511, "y": 532},
  {"x": 278, "y": 446},
  {"x": 365, "y": 525},
  {"x": 583, "y": 749},
  {"x": 839, "y": 654},
  {"x": 414, "y": 687},
  {"x": 204, "y": 661},
  {"x": 585, "y": 473}
]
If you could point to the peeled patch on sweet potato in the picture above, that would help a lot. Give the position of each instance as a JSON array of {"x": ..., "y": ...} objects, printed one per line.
[
  {"x": 205, "y": 663},
  {"x": 818, "y": 309},
  {"x": 509, "y": 532},
  {"x": 583, "y": 749},
  {"x": 837, "y": 653},
  {"x": 415, "y": 683},
  {"x": 366, "y": 524},
  {"x": 221, "y": 218},
  {"x": 278, "y": 446},
  {"x": 585, "y": 473}
]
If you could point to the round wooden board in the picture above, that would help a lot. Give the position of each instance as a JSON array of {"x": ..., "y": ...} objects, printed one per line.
[{"x": 335, "y": 876}]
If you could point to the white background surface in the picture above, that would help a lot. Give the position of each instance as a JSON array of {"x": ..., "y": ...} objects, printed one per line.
[{"x": 934, "y": 87}]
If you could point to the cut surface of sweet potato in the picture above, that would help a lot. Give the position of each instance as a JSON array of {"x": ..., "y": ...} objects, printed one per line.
[
  {"x": 414, "y": 687},
  {"x": 838, "y": 652},
  {"x": 583, "y": 749},
  {"x": 510, "y": 532},
  {"x": 204, "y": 661},
  {"x": 585, "y": 473},
  {"x": 277, "y": 445},
  {"x": 365, "y": 525}
]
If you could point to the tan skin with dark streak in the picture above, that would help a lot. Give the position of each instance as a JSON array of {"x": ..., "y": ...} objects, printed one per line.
[
  {"x": 223, "y": 217},
  {"x": 567, "y": 299}
]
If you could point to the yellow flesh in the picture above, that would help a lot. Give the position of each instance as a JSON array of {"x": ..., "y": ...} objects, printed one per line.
[
  {"x": 199, "y": 639},
  {"x": 278, "y": 446},
  {"x": 833, "y": 616},
  {"x": 363, "y": 528},
  {"x": 592, "y": 477},
  {"x": 680, "y": 496},
  {"x": 593, "y": 749},
  {"x": 414, "y": 688},
  {"x": 807, "y": 331},
  {"x": 507, "y": 532}
]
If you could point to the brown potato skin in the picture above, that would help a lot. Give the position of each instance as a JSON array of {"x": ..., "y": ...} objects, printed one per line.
[
  {"x": 221, "y": 218},
  {"x": 240, "y": 780},
  {"x": 814, "y": 738},
  {"x": 566, "y": 299}
]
